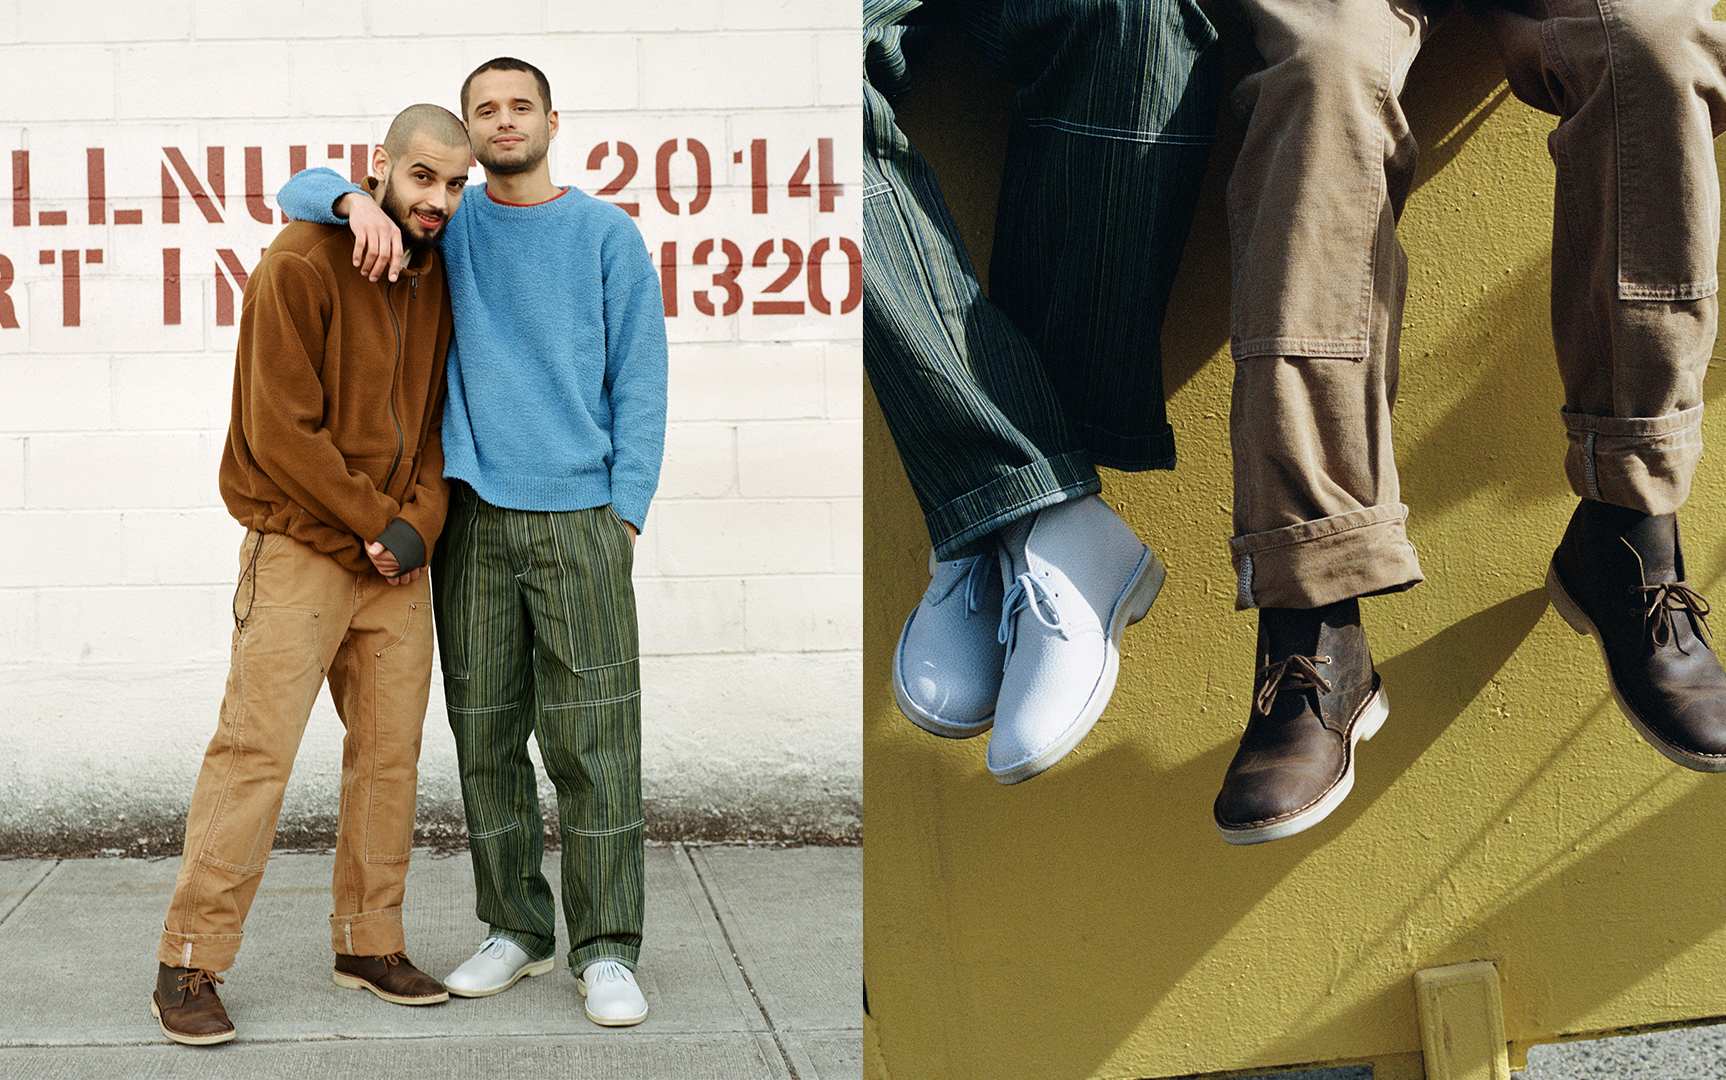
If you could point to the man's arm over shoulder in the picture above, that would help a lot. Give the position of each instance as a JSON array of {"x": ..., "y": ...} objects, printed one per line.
[
  {"x": 311, "y": 195},
  {"x": 635, "y": 369},
  {"x": 324, "y": 196},
  {"x": 281, "y": 407}
]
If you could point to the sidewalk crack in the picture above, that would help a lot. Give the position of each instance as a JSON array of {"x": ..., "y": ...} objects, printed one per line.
[
  {"x": 772, "y": 1028},
  {"x": 31, "y": 891}
]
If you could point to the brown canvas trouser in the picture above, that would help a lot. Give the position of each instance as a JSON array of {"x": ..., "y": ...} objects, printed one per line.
[
  {"x": 1319, "y": 276},
  {"x": 300, "y": 618}
]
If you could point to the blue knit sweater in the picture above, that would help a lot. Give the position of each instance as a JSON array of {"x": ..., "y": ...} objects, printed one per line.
[{"x": 557, "y": 372}]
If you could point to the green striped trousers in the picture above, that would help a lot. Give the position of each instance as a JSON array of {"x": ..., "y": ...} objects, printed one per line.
[
  {"x": 536, "y": 631},
  {"x": 1004, "y": 404}
]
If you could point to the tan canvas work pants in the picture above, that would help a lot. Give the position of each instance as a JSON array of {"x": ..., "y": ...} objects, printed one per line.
[
  {"x": 1319, "y": 276},
  {"x": 301, "y": 618}
]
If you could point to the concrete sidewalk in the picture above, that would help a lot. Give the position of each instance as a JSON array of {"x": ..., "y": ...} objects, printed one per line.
[{"x": 751, "y": 966}]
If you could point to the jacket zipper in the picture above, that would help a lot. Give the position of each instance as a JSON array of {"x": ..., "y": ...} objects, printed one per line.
[{"x": 395, "y": 380}]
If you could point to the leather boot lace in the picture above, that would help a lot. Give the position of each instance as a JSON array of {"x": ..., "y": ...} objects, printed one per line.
[
  {"x": 192, "y": 980},
  {"x": 1664, "y": 599},
  {"x": 1291, "y": 672},
  {"x": 1026, "y": 593}
]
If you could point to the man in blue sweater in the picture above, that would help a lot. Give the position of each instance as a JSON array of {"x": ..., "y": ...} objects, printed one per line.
[{"x": 552, "y": 440}]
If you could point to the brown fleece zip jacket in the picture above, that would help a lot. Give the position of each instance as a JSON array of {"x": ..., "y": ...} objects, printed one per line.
[{"x": 338, "y": 401}]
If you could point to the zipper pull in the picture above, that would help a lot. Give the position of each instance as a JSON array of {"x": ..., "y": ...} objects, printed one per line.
[{"x": 414, "y": 290}]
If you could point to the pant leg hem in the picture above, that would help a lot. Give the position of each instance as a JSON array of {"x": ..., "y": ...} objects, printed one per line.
[
  {"x": 209, "y": 952},
  {"x": 1643, "y": 463},
  {"x": 1129, "y": 453},
  {"x": 532, "y": 944},
  {"x": 581, "y": 959},
  {"x": 368, "y": 933},
  {"x": 955, "y": 526},
  {"x": 1314, "y": 563}
]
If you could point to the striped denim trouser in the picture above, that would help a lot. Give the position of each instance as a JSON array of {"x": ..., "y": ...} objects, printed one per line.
[
  {"x": 536, "y": 631},
  {"x": 1002, "y": 405}
]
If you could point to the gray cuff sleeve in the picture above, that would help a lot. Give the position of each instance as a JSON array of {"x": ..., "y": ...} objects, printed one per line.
[{"x": 405, "y": 544}]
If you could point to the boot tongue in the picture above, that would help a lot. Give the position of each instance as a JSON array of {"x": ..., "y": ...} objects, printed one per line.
[
  {"x": 1655, "y": 541},
  {"x": 1289, "y": 631},
  {"x": 1297, "y": 632}
]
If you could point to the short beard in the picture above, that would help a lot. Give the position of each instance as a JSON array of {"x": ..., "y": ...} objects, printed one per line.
[
  {"x": 413, "y": 245},
  {"x": 513, "y": 168}
]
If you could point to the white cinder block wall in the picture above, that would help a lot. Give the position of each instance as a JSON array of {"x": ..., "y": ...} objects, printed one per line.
[{"x": 145, "y": 140}]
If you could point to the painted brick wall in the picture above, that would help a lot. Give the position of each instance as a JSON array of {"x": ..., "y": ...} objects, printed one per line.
[{"x": 144, "y": 143}]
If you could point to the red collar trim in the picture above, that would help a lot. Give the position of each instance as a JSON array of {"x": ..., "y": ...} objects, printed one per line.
[{"x": 561, "y": 193}]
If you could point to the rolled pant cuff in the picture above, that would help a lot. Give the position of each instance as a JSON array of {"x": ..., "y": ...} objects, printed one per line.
[
  {"x": 208, "y": 952},
  {"x": 1129, "y": 453},
  {"x": 535, "y": 946},
  {"x": 369, "y": 933},
  {"x": 1320, "y": 562},
  {"x": 955, "y": 526},
  {"x": 580, "y": 959},
  {"x": 1643, "y": 463}
]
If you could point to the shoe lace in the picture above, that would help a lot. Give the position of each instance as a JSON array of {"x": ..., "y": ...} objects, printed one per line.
[
  {"x": 605, "y": 971},
  {"x": 1664, "y": 599},
  {"x": 493, "y": 946},
  {"x": 198, "y": 977},
  {"x": 1026, "y": 594},
  {"x": 1293, "y": 673},
  {"x": 395, "y": 958},
  {"x": 976, "y": 582}
]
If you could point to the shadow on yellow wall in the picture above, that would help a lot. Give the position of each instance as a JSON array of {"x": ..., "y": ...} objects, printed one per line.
[{"x": 1091, "y": 922}]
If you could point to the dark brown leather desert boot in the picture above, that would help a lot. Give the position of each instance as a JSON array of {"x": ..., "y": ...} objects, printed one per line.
[
  {"x": 393, "y": 978},
  {"x": 1618, "y": 575},
  {"x": 186, "y": 1005},
  {"x": 1315, "y": 695}
]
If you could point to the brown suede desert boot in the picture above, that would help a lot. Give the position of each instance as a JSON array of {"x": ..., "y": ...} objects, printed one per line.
[
  {"x": 1315, "y": 695},
  {"x": 186, "y": 1005},
  {"x": 393, "y": 978},
  {"x": 1618, "y": 575}
]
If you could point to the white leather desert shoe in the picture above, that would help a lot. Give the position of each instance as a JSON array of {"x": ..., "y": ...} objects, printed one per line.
[
  {"x": 613, "y": 999},
  {"x": 498, "y": 965},
  {"x": 947, "y": 668},
  {"x": 1078, "y": 576}
]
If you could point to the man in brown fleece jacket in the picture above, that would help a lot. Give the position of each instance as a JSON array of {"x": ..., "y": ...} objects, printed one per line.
[{"x": 334, "y": 466}]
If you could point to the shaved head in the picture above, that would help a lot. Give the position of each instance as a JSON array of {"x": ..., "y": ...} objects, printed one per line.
[
  {"x": 421, "y": 169},
  {"x": 434, "y": 121}
]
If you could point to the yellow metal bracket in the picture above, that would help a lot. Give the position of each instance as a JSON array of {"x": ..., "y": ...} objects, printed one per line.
[{"x": 1462, "y": 1022}]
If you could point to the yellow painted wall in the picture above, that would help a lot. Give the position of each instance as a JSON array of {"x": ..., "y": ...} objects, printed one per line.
[{"x": 1090, "y": 922}]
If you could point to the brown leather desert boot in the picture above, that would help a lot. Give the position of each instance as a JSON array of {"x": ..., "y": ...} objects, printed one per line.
[
  {"x": 1315, "y": 695},
  {"x": 393, "y": 978},
  {"x": 186, "y": 1005},
  {"x": 1618, "y": 575}
]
